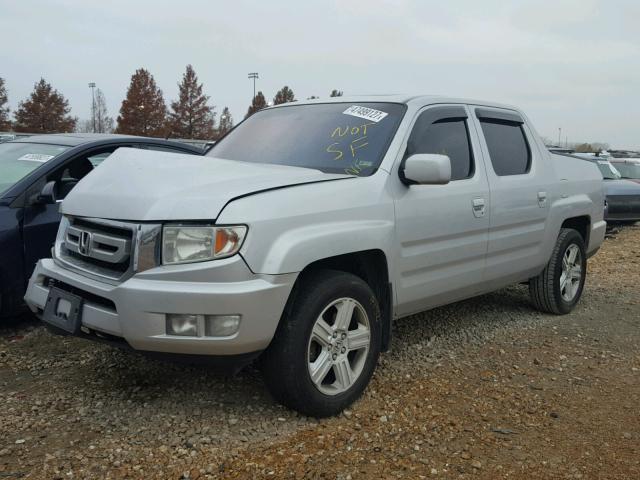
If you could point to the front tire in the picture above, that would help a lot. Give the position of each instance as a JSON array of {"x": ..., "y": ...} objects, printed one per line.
[
  {"x": 559, "y": 287},
  {"x": 327, "y": 345}
]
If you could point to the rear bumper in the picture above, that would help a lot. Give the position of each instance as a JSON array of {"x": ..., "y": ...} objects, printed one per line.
[{"x": 134, "y": 310}]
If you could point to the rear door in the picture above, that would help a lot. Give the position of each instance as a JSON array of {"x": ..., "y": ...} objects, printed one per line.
[
  {"x": 520, "y": 182},
  {"x": 442, "y": 230}
]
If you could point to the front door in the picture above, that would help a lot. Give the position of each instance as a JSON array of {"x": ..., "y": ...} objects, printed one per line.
[{"x": 442, "y": 230}]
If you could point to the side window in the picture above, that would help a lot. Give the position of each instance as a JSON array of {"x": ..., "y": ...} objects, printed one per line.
[
  {"x": 98, "y": 158},
  {"x": 508, "y": 147},
  {"x": 74, "y": 170},
  {"x": 448, "y": 136}
]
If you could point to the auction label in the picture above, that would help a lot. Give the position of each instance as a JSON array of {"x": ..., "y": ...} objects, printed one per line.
[
  {"x": 365, "y": 112},
  {"x": 36, "y": 157}
]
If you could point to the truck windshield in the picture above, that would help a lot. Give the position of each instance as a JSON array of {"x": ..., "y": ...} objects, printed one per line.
[
  {"x": 330, "y": 137},
  {"x": 628, "y": 170},
  {"x": 17, "y": 160}
]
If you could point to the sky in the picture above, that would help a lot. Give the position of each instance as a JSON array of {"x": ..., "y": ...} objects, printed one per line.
[{"x": 569, "y": 64}]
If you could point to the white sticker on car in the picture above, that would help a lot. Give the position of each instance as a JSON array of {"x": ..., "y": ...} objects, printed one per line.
[
  {"x": 36, "y": 157},
  {"x": 366, "y": 113}
]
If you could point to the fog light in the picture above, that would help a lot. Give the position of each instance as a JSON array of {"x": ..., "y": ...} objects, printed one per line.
[
  {"x": 221, "y": 325},
  {"x": 185, "y": 325}
]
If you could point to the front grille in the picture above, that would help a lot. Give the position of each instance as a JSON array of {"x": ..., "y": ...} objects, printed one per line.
[
  {"x": 623, "y": 204},
  {"x": 99, "y": 247}
]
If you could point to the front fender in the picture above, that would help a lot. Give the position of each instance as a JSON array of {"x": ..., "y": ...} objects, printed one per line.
[
  {"x": 293, "y": 227},
  {"x": 294, "y": 249}
]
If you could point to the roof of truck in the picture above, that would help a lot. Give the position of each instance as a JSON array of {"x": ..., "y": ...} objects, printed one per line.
[{"x": 401, "y": 98}]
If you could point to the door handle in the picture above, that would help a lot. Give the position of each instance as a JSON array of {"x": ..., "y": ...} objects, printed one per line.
[
  {"x": 478, "y": 207},
  {"x": 542, "y": 199}
]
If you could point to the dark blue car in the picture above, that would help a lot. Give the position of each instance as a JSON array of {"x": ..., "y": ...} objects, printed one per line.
[{"x": 36, "y": 173}]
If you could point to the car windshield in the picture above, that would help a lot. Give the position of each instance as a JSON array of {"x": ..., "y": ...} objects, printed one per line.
[
  {"x": 628, "y": 170},
  {"x": 330, "y": 137},
  {"x": 608, "y": 171},
  {"x": 17, "y": 160}
]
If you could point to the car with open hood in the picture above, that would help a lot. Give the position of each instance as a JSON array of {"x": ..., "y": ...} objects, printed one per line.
[{"x": 36, "y": 173}]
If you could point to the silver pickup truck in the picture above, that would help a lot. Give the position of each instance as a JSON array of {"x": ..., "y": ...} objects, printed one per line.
[{"x": 309, "y": 228}]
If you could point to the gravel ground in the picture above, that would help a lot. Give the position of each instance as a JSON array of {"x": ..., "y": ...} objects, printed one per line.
[{"x": 486, "y": 388}]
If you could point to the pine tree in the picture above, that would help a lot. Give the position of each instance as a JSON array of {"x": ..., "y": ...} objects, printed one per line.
[
  {"x": 143, "y": 111},
  {"x": 5, "y": 124},
  {"x": 226, "y": 122},
  {"x": 336, "y": 93},
  {"x": 191, "y": 117},
  {"x": 259, "y": 102},
  {"x": 45, "y": 111},
  {"x": 283, "y": 96}
]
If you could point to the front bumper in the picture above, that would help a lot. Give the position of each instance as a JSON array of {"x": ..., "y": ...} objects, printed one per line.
[
  {"x": 135, "y": 309},
  {"x": 623, "y": 208}
]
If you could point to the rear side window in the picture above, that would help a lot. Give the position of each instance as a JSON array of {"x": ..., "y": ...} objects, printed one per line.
[
  {"x": 447, "y": 137},
  {"x": 508, "y": 147}
]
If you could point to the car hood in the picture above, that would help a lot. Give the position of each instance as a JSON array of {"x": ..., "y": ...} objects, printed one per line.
[
  {"x": 139, "y": 185},
  {"x": 621, "y": 187}
]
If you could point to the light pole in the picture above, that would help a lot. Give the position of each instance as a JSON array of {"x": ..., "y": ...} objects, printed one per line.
[
  {"x": 92, "y": 86},
  {"x": 254, "y": 76},
  {"x": 559, "y": 135}
]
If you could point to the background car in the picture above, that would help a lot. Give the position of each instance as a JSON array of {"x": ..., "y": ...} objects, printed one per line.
[
  {"x": 622, "y": 195},
  {"x": 629, "y": 168},
  {"x": 36, "y": 173}
]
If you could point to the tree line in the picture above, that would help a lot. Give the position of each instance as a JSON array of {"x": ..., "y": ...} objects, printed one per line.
[{"x": 143, "y": 110}]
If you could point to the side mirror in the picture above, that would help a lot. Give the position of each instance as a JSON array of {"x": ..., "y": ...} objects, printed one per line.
[
  {"x": 49, "y": 193},
  {"x": 428, "y": 169}
]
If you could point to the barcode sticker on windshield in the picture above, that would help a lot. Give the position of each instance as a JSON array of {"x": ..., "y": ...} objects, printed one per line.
[
  {"x": 36, "y": 157},
  {"x": 366, "y": 113}
]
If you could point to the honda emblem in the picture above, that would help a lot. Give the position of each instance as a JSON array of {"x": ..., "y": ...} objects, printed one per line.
[{"x": 84, "y": 243}]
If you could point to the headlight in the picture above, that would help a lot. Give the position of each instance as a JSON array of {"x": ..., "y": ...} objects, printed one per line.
[{"x": 186, "y": 244}]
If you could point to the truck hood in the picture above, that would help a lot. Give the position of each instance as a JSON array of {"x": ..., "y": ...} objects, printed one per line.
[
  {"x": 621, "y": 187},
  {"x": 141, "y": 185}
]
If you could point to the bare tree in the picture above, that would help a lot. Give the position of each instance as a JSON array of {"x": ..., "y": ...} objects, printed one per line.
[
  {"x": 5, "y": 123},
  {"x": 336, "y": 93},
  {"x": 104, "y": 123},
  {"x": 226, "y": 122}
]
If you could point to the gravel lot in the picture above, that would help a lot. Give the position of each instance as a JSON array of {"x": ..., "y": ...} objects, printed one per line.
[{"x": 486, "y": 388}]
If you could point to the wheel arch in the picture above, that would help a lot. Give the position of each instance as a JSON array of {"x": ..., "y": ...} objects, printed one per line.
[
  {"x": 581, "y": 224},
  {"x": 369, "y": 265}
]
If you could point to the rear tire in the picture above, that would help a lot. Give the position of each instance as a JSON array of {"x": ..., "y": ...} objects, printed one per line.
[
  {"x": 559, "y": 287},
  {"x": 327, "y": 344}
]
